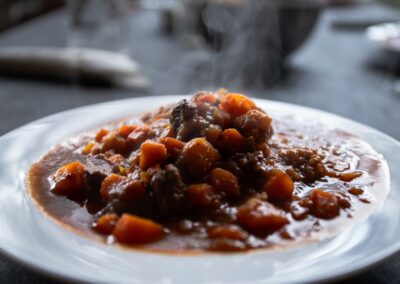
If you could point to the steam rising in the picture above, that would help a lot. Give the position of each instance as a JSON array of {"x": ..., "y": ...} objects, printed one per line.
[{"x": 250, "y": 49}]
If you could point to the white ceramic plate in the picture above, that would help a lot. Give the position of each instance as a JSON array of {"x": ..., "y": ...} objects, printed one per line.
[{"x": 31, "y": 238}]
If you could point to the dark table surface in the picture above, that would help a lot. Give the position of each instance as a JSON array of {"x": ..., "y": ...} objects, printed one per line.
[{"x": 336, "y": 70}]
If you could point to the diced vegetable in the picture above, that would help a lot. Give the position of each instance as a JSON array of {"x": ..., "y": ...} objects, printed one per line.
[
  {"x": 224, "y": 181},
  {"x": 105, "y": 224},
  {"x": 172, "y": 144},
  {"x": 213, "y": 134},
  {"x": 152, "y": 153},
  {"x": 227, "y": 245},
  {"x": 87, "y": 149},
  {"x": 279, "y": 186},
  {"x": 356, "y": 191},
  {"x": 236, "y": 104},
  {"x": 131, "y": 229},
  {"x": 325, "y": 205},
  {"x": 114, "y": 142},
  {"x": 100, "y": 134},
  {"x": 125, "y": 130},
  {"x": 131, "y": 189},
  {"x": 108, "y": 183},
  {"x": 126, "y": 189},
  {"x": 201, "y": 195},
  {"x": 229, "y": 232},
  {"x": 222, "y": 118},
  {"x": 205, "y": 97},
  {"x": 255, "y": 124},
  {"x": 198, "y": 158},
  {"x": 138, "y": 136},
  {"x": 261, "y": 217},
  {"x": 68, "y": 180},
  {"x": 232, "y": 141},
  {"x": 348, "y": 177}
]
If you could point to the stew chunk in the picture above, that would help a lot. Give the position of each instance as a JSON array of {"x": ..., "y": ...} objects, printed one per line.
[
  {"x": 132, "y": 229},
  {"x": 198, "y": 158},
  {"x": 68, "y": 180},
  {"x": 324, "y": 204},
  {"x": 261, "y": 217}
]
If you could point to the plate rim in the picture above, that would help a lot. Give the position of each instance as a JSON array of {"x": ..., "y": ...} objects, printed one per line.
[{"x": 378, "y": 257}]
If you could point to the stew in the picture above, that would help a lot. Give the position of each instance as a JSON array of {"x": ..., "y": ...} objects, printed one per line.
[{"x": 213, "y": 172}]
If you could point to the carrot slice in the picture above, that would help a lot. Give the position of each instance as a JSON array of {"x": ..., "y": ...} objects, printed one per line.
[
  {"x": 125, "y": 130},
  {"x": 131, "y": 229},
  {"x": 100, "y": 134},
  {"x": 325, "y": 205},
  {"x": 236, "y": 104},
  {"x": 87, "y": 149},
  {"x": 201, "y": 195},
  {"x": 228, "y": 232},
  {"x": 205, "y": 97},
  {"x": 151, "y": 154},
  {"x": 224, "y": 181},
  {"x": 172, "y": 144},
  {"x": 108, "y": 183},
  {"x": 105, "y": 224},
  {"x": 261, "y": 217},
  {"x": 279, "y": 187}
]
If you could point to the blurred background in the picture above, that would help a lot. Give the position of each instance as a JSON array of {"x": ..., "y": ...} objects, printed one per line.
[
  {"x": 341, "y": 56},
  {"x": 336, "y": 55}
]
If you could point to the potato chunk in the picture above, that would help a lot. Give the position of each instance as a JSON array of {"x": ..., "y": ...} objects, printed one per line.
[
  {"x": 151, "y": 154},
  {"x": 279, "y": 187},
  {"x": 131, "y": 229},
  {"x": 261, "y": 217},
  {"x": 68, "y": 180}
]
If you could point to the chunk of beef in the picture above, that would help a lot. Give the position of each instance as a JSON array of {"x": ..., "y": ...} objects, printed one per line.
[
  {"x": 186, "y": 122},
  {"x": 255, "y": 124},
  {"x": 184, "y": 110},
  {"x": 96, "y": 170},
  {"x": 308, "y": 163},
  {"x": 168, "y": 192}
]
